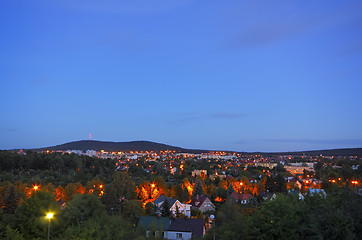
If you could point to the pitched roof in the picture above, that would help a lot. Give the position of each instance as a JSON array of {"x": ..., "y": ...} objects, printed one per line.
[
  {"x": 198, "y": 200},
  {"x": 147, "y": 221},
  {"x": 265, "y": 194},
  {"x": 316, "y": 191},
  {"x": 162, "y": 198},
  {"x": 194, "y": 225},
  {"x": 241, "y": 196}
]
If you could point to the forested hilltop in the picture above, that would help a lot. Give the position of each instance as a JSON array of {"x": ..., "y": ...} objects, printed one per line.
[{"x": 144, "y": 146}]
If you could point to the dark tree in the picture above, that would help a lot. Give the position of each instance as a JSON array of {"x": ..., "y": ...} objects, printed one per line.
[
  {"x": 165, "y": 211},
  {"x": 111, "y": 200},
  {"x": 185, "y": 196},
  {"x": 230, "y": 190},
  {"x": 178, "y": 214},
  {"x": 150, "y": 209},
  {"x": 270, "y": 184},
  {"x": 198, "y": 190},
  {"x": 281, "y": 186},
  {"x": 11, "y": 200}
]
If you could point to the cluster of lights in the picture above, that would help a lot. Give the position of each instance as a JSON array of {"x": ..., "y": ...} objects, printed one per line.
[{"x": 354, "y": 182}]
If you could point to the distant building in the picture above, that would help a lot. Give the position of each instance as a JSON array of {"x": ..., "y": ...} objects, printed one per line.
[
  {"x": 216, "y": 175},
  {"x": 244, "y": 198},
  {"x": 91, "y": 153},
  {"x": 316, "y": 192},
  {"x": 267, "y": 195},
  {"x": 298, "y": 169},
  {"x": 266, "y": 165},
  {"x": 79, "y": 152},
  {"x": 296, "y": 193},
  {"x": 201, "y": 173}
]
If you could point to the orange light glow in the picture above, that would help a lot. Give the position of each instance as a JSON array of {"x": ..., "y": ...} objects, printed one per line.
[
  {"x": 241, "y": 184},
  {"x": 307, "y": 181},
  {"x": 36, "y": 187},
  {"x": 153, "y": 185},
  {"x": 100, "y": 186}
]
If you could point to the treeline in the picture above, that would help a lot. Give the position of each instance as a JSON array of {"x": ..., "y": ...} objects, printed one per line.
[
  {"x": 95, "y": 211},
  {"x": 56, "y": 168},
  {"x": 84, "y": 217},
  {"x": 338, "y": 216}
]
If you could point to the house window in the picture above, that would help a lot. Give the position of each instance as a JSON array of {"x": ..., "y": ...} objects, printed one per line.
[{"x": 178, "y": 235}]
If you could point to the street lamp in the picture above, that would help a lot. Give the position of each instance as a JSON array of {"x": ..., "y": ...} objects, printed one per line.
[
  {"x": 49, "y": 216},
  {"x": 212, "y": 217}
]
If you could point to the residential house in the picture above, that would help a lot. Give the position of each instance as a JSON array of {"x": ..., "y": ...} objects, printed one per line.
[
  {"x": 296, "y": 193},
  {"x": 244, "y": 198},
  {"x": 172, "y": 229},
  {"x": 316, "y": 192},
  {"x": 201, "y": 173},
  {"x": 202, "y": 203},
  {"x": 185, "y": 228},
  {"x": 156, "y": 224},
  {"x": 183, "y": 208},
  {"x": 267, "y": 195}
]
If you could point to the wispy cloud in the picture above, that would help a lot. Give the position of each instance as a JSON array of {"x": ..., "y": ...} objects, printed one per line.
[
  {"x": 191, "y": 117},
  {"x": 282, "y": 23},
  {"x": 9, "y": 129},
  {"x": 124, "y": 6},
  {"x": 226, "y": 115},
  {"x": 317, "y": 141}
]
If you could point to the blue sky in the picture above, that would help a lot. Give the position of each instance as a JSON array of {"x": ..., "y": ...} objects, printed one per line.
[{"x": 231, "y": 75}]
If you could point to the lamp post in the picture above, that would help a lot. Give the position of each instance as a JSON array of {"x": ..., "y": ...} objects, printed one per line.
[
  {"x": 212, "y": 217},
  {"x": 49, "y": 216}
]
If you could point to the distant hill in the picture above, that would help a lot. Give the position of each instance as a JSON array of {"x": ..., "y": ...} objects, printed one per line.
[
  {"x": 85, "y": 145},
  {"x": 116, "y": 146}
]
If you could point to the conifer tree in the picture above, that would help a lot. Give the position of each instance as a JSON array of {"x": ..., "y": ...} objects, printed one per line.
[
  {"x": 178, "y": 214},
  {"x": 198, "y": 190},
  {"x": 11, "y": 200},
  {"x": 165, "y": 211},
  {"x": 230, "y": 190}
]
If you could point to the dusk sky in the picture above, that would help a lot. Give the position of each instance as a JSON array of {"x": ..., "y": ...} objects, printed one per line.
[{"x": 227, "y": 75}]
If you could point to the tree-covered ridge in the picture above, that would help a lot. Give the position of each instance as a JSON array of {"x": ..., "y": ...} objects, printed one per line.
[{"x": 85, "y": 145}]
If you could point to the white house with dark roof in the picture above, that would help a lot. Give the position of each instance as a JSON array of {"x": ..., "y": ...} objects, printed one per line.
[
  {"x": 184, "y": 208},
  {"x": 185, "y": 228}
]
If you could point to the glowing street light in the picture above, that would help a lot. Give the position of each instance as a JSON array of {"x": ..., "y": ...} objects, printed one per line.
[
  {"x": 152, "y": 185},
  {"x": 49, "y": 216}
]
